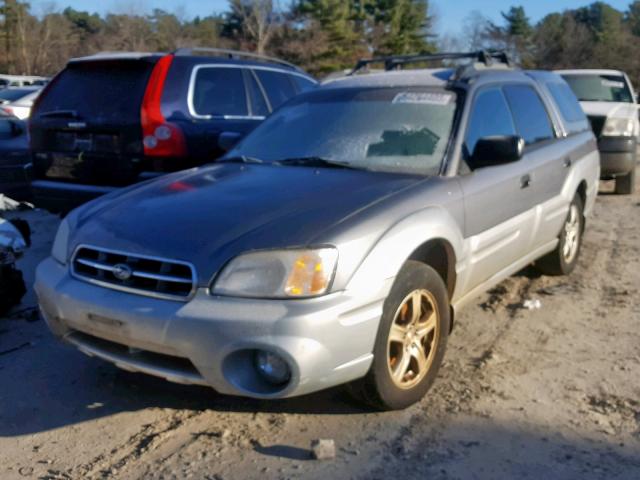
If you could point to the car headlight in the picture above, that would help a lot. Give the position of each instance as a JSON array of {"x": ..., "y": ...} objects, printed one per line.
[
  {"x": 618, "y": 127},
  {"x": 278, "y": 274},
  {"x": 60, "y": 249}
]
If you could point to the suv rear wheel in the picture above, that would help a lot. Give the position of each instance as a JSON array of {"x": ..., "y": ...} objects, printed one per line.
[
  {"x": 564, "y": 258},
  {"x": 411, "y": 340}
]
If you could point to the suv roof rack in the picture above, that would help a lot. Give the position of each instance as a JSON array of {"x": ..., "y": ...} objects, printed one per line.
[
  {"x": 487, "y": 57},
  {"x": 226, "y": 53}
]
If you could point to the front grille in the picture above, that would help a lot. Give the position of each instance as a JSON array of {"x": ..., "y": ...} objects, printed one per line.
[
  {"x": 597, "y": 124},
  {"x": 143, "y": 275}
]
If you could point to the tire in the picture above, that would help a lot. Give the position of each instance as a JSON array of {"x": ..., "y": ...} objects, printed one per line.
[
  {"x": 625, "y": 185},
  {"x": 416, "y": 284},
  {"x": 564, "y": 258}
]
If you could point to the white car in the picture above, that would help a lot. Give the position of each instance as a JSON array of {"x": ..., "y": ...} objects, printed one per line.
[
  {"x": 21, "y": 108},
  {"x": 608, "y": 99}
]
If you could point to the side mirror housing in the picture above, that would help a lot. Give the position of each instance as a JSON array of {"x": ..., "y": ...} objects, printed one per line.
[
  {"x": 228, "y": 140},
  {"x": 497, "y": 150}
]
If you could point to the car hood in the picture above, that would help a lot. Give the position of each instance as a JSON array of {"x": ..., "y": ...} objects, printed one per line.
[
  {"x": 209, "y": 215},
  {"x": 610, "y": 109}
]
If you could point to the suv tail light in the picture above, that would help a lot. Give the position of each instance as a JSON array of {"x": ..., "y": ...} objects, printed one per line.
[{"x": 159, "y": 137}]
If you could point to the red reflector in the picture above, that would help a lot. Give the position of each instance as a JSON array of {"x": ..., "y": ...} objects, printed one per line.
[
  {"x": 170, "y": 142},
  {"x": 180, "y": 187}
]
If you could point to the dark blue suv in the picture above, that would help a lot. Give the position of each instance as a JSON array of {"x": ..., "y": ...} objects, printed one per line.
[{"x": 110, "y": 120}]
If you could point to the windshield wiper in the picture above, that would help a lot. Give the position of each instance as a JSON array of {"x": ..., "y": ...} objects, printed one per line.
[
  {"x": 60, "y": 113},
  {"x": 240, "y": 159},
  {"x": 314, "y": 162}
]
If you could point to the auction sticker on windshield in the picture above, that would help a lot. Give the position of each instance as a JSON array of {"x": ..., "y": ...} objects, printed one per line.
[{"x": 425, "y": 98}]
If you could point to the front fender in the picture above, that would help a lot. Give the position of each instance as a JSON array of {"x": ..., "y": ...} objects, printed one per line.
[{"x": 397, "y": 244}]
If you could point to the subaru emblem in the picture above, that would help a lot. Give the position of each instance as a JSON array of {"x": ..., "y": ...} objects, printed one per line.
[{"x": 122, "y": 271}]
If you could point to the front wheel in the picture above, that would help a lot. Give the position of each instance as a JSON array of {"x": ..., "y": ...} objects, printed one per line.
[
  {"x": 564, "y": 258},
  {"x": 411, "y": 340}
]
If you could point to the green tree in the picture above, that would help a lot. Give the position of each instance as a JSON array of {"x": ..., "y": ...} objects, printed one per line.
[
  {"x": 514, "y": 36},
  {"x": 518, "y": 24},
  {"x": 559, "y": 41},
  {"x": 406, "y": 27},
  {"x": 88, "y": 23},
  {"x": 633, "y": 17},
  {"x": 338, "y": 20}
]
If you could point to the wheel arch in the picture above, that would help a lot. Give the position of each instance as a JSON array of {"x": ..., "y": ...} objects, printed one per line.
[{"x": 438, "y": 253}]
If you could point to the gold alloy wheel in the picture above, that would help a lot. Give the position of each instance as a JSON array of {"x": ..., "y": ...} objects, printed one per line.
[{"x": 412, "y": 340}]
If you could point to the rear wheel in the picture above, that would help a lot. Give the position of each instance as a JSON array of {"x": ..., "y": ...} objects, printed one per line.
[
  {"x": 625, "y": 185},
  {"x": 564, "y": 258},
  {"x": 411, "y": 340}
]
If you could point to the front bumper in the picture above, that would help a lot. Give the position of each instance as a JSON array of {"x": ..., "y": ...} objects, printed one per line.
[
  {"x": 209, "y": 340},
  {"x": 617, "y": 156}
]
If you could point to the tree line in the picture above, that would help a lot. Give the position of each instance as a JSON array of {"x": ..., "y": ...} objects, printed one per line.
[{"x": 323, "y": 35}]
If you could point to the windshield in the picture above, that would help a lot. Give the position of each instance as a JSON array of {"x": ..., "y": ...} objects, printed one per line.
[
  {"x": 600, "y": 88},
  {"x": 404, "y": 130}
]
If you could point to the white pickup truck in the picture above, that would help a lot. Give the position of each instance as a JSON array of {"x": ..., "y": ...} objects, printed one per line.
[{"x": 608, "y": 99}]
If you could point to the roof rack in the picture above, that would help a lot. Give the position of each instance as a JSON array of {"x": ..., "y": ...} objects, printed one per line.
[
  {"x": 226, "y": 53},
  {"x": 488, "y": 57}
]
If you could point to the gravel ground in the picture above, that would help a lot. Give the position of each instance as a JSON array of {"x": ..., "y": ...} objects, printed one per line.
[{"x": 545, "y": 393}]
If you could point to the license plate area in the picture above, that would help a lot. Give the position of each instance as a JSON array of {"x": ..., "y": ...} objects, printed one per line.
[{"x": 64, "y": 165}]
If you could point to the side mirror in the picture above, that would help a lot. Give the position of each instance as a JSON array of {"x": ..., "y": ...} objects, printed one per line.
[
  {"x": 497, "y": 150},
  {"x": 228, "y": 140}
]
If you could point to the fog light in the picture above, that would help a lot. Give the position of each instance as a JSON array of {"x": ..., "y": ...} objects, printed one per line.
[{"x": 272, "y": 367}]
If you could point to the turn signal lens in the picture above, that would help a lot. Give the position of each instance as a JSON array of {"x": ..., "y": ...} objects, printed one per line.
[{"x": 308, "y": 276}]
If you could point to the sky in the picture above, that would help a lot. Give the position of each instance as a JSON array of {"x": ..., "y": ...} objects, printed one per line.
[{"x": 450, "y": 14}]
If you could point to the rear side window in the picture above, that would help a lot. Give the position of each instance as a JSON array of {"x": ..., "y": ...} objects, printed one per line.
[
  {"x": 490, "y": 116},
  {"x": 277, "y": 85},
  {"x": 529, "y": 114},
  {"x": 303, "y": 83},
  {"x": 567, "y": 102},
  {"x": 109, "y": 90},
  {"x": 219, "y": 92},
  {"x": 259, "y": 105}
]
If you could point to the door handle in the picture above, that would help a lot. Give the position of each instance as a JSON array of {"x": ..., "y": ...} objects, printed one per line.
[
  {"x": 567, "y": 162},
  {"x": 525, "y": 181}
]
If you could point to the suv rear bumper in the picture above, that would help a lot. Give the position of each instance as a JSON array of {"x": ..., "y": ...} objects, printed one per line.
[{"x": 617, "y": 156}]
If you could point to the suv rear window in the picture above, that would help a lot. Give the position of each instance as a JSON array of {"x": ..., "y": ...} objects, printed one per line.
[
  {"x": 303, "y": 83},
  {"x": 99, "y": 90},
  {"x": 219, "y": 91},
  {"x": 574, "y": 118},
  {"x": 277, "y": 85}
]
